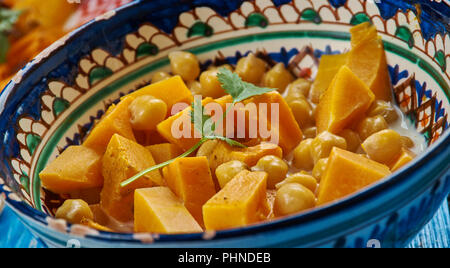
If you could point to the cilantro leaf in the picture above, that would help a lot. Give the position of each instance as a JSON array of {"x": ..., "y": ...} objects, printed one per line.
[
  {"x": 203, "y": 123},
  {"x": 206, "y": 126},
  {"x": 238, "y": 89}
]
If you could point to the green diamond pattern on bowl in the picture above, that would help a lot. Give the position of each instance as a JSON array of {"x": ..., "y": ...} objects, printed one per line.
[
  {"x": 359, "y": 18},
  {"x": 99, "y": 73},
  {"x": 25, "y": 182},
  {"x": 311, "y": 15},
  {"x": 146, "y": 49},
  {"x": 33, "y": 141},
  {"x": 200, "y": 29},
  {"x": 405, "y": 34},
  {"x": 441, "y": 59},
  {"x": 60, "y": 105},
  {"x": 257, "y": 19}
]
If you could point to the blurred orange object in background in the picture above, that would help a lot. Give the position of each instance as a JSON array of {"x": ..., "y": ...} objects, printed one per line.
[{"x": 33, "y": 25}]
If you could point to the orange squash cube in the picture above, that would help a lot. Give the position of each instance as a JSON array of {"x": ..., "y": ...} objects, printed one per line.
[
  {"x": 367, "y": 59},
  {"x": 77, "y": 168},
  {"x": 172, "y": 91},
  {"x": 158, "y": 210},
  {"x": 164, "y": 152},
  {"x": 406, "y": 157},
  {"x": 251, "y": 155},
  {"x": 190, "y": 179},
  {"x": 289, "y": 132},
  {"x": 123, "y": 159},
  {"x": 329, "y": 66},
  {"x": 241, "y": 202},
  {"x": 147, "y": 138},
  {"x": 115, "y": 121},
  {"x": 347, "y": 173},
  {"x": 222, "y": 153},
  {"x": 167, "y": 127},
  {"x": 347, "y": 100},
  {"x": 361, "y": 31}
]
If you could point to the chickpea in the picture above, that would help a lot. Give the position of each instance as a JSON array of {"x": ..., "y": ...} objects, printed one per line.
[
  {"x": 302, "y": 111},
  {"x": 319, "y": 169},
  {"x": 302, "y": 155},
  {"x": 293, "y": 198},
  {"x": 298, "y": 89},
  {"x": 407, "y": 142},
  {"x": 226, "y": 66},
  {"x": 353, "y": 140},
  {"x": 147, "y": 112},
  {"x": 251, "y": 69},
  {"x": 384, "y": 109},
  {"x": 184, "y": 64},
  {"x": 371, "y": 125},
  {"x": 314, "y": 113},
  {"x": 160, "y": 76},
  {"x": 384, "y": 146},
  {"x": 275, "y": 167},
  {"x": 310, "y": 133},
  {"x": 304, "y": 179},
  {"x": 278, "y": 77},
  {"x": 195, "y": 87},
  {"x": 210, "y": 85},
  {"x": 226, "y": 172},
  {"x": 75, "y": 211},
  {"x": 322, "y": 145}
]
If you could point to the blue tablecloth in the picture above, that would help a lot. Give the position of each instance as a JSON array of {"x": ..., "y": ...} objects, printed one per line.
[{"x": 435, "y": 235}]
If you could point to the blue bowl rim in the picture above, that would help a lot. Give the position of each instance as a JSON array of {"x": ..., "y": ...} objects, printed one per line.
[{"x": 443, "y": 145}]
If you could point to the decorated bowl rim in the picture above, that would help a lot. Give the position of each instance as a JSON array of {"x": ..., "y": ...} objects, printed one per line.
[{"x": 19, "y": 207}]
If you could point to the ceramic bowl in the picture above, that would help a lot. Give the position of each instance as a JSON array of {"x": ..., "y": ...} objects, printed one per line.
[{"x": 54, "y": 101}]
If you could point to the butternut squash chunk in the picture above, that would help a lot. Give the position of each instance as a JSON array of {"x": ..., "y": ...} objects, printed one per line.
[
  {"x": 329, "y": 66},
  {"x": 166, "y": 128},
  {"x": 361, "y": 31},
  {"x": 367, "y": 59},
  {"x": 241, "y": 202},
  {"x": 158, "y": 210},
  {"x": 147, "y": 138},
  {"x": 406, "y": 157},
  {"x": 172, "y": 91},
  {"x": 347, "y": 100},
  {"x": 164, "y": 152},
  {"x": 90, "y": 195},
  {"x": 289, "y": 132},
  {"x": 123, "y": 159},
  {"x": 190, "y": 179},
  {"x": 251, "y": 155},
  {"x": 77, "y": 168},
  {"x": 115, "y": 121},
  {"x": 222, "y": 153},
  {"x": 347, "y": 173}
]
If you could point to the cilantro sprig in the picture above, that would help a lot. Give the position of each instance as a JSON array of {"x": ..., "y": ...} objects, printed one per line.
[
  {"x": 204, "y": 124},
  {"x": 238, "y": 89}
]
